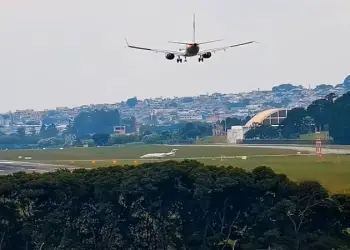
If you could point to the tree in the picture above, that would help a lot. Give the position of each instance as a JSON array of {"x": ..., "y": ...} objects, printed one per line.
[
  {"x": 284, "y": 88},
  {"x": 231, "y": 121},
  {"x": 49, "y": 120},
  {"x": 245, "y": 120},
  {"x": 339, "y": 123},
  {"x": 263, "y": 132},
  {"x": 331, "y": 97},
  {"x": 97, "y": 121},
  {"x": 169, "y": 205},
  {"x": 131, "y": 102},
  {"x": 130, "y": 124},
  {"x": 194, "y": 129},
  {"x": 42, "y": 130},
  {"x": 21, "y": 131},
  {"x": 51, "y": 131},
  {"x": 347, "y": 83},
  {"x": 318, "y": 110},
  {"x": 69, "y": 130},
  {"x": 101, "y": 139},
  {"x": 294, "y": 124}
]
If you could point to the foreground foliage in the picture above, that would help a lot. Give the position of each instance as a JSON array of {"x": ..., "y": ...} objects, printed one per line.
[{"x": 169, "y": 205}]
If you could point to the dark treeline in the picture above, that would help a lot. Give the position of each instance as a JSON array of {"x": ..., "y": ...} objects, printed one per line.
[
  {"x": 328, "y": 114},
  {"x": 169, "y": 205}
]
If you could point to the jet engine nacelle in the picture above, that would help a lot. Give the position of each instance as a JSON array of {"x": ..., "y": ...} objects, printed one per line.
[
  {"x": 207, "y": 55},
  {"x": 170, "y": 56}
]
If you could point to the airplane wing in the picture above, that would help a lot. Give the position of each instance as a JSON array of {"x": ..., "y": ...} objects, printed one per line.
[
  {"x": 223, "y": 48},
  {"x": 177, "y": 53}
]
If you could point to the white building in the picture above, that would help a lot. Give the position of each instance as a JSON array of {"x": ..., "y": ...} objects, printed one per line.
[
  {"x": 189, "y": 116},
  {"x": 271, "y": 117}
]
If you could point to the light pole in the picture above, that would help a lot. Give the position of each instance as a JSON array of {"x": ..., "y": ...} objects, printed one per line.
[{"x": 225, "y": 127}]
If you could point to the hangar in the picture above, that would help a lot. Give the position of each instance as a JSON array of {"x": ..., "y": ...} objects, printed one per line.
[{"x": 272, "y": 117}]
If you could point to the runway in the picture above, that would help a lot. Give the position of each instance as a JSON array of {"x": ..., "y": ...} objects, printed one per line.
[
  {"x": 326, "y": 149},
  {"x": 10, "y": 167}
]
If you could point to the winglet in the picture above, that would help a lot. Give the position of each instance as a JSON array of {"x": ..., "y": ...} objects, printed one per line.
[{"x": 127, "y": 44}]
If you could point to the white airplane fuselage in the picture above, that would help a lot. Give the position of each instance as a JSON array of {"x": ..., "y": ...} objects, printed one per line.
[{"x": 159, "y": 155}]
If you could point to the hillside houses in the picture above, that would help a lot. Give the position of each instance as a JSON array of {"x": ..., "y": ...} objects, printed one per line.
[{"x": 205, "y": 108}]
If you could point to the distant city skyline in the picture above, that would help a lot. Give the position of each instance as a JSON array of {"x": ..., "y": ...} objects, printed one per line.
[
  {"x": 320, "y": 93},
  {"x": 68, "y": 54}
]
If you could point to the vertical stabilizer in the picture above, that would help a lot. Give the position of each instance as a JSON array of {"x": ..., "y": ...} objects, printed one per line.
[{"x": 194, "y": 28}]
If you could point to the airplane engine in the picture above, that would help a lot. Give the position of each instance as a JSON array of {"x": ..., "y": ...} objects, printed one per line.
[
  {"x": 170, "y": 56},
  {"x": 207, "y": 55}
]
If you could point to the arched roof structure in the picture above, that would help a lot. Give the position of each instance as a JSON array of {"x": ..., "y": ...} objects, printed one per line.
[
  {"x": 268, "y": 117},
  {"x": 347, "y": 82}
]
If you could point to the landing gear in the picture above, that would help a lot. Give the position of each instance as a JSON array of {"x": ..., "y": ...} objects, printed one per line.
[
  {"x": 200, "y": 59},
  {"x": 179, "y": 59}
]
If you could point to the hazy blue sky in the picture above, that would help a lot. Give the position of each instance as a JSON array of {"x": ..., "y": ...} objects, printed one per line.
[{"x": 72, "y": 52}]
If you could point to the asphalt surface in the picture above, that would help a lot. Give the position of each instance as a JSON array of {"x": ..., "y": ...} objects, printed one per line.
[{"x": 311, "y": 149}]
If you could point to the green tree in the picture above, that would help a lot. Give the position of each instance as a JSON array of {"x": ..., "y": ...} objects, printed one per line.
[
  {"x": 131, "y": 102},
  {"x": 295, "y": 124},
  {"x": 319, "y": 111},
  {"x": 169, "y": 205},
  {"x": 51, "y": 131},
  {"x": 263, "y": 132},
  {"x": 339, "y": 123},
  {"x": 21, "y": 131},
  {"x": 69, "y": 130},
  {"x": 42, "y": 132},
  {"x": 101, "y": 139},
  {"x": 231, "y": 121},
  {"x": 97, "y": 121}
]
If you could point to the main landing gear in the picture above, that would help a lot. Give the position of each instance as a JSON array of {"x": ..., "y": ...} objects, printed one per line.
[
  {"x": 179, "y": 60},
  {"x": 200, "y": 59}
]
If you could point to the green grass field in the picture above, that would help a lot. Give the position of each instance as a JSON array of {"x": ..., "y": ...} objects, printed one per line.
[
  {"x": 313, "y": 136},
  {"x": 333, "y": 171}
]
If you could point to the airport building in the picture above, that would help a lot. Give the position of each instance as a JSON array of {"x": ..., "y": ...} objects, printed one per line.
[{"x": 272, "y": 117}]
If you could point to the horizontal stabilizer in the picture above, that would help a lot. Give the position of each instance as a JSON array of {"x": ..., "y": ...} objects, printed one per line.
[
  {"x": 189, "y": 43},
  {"x": 213, "y": 41}
]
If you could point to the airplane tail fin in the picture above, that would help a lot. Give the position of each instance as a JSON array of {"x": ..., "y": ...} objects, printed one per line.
[
  {"x": 194, "y": 28},
  {"x": 194, "y": 36}
]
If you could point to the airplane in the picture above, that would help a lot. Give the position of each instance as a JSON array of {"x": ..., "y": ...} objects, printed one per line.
[
  {"x": 159, "y": 155},
  {"x": 192, "y": 48}
]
